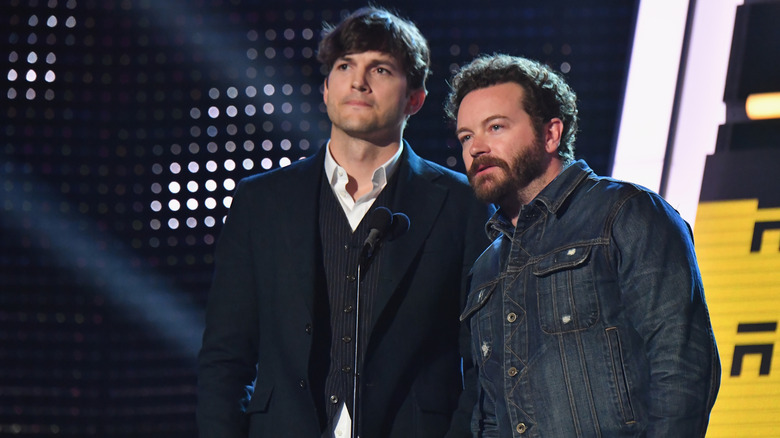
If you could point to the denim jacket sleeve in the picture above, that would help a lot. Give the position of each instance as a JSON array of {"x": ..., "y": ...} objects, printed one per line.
[{"x": 662, "y": 292}]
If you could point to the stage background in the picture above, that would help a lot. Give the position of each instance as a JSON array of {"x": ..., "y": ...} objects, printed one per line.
[{"x": 127, "y": 123}]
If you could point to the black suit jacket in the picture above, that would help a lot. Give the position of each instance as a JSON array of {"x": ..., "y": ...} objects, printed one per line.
[{"x": 259, "y": 315}]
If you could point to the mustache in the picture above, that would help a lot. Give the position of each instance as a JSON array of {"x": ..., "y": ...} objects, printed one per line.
[{"x": 483, "y": 161}]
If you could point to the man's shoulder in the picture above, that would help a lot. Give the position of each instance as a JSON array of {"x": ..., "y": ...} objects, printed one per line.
[{"x": 282, "y": 175}]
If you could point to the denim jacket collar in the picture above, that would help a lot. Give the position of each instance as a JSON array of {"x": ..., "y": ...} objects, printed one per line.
[{"x": 551, "y": 197}]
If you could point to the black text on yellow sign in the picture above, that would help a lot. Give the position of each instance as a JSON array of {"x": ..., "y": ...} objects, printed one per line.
[{"x": 738, "y": 248}]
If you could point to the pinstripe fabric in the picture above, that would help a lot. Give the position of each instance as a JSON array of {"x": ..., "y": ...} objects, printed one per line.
[{"x": 340, "y": 251}]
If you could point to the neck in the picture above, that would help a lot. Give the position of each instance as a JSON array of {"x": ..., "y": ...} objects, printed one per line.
[
  {"x": 360, "y": 159},
  {"x": 527, "y": 194}
]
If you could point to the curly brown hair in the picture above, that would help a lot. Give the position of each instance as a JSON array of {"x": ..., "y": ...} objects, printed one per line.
[{"x": 547, "y": 95}]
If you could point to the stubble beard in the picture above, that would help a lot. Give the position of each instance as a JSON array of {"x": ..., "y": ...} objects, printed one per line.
[{"x": 502, "y": 187}]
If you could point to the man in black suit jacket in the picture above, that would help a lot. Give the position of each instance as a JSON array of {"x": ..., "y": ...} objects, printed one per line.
[{"x": 278, "y": 353}]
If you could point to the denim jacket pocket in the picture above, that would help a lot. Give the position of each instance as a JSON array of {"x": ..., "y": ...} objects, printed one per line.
[{"x": 566, "y": 290}]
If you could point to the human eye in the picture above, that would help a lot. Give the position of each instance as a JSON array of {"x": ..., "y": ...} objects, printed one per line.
[
  {"x": 464, "y": 139},
  {"x": 383, "y": 70},
  {"x": 496, "y": 127}
]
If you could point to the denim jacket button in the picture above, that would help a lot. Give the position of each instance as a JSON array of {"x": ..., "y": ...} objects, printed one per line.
[
  {"x": 512, "y": 372},
  {"x": 512, "y": 317},
  {"x": 520, "y": 428}
]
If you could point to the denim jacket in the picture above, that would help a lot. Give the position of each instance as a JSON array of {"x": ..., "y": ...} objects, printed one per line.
[{"x": 588, "y": 319}]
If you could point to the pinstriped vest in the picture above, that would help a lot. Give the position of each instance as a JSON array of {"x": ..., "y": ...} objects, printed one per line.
[{"x": 335, "y": 307}]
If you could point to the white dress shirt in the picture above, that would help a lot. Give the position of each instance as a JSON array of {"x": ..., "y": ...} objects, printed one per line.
[{"x": 338, "y": 179}]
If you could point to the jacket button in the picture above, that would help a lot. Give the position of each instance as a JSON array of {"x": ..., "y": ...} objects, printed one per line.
[
  {"x": 334, "y": 399},
  {"x": 521, "y": 428},
  {"x": 302, "y": 383},
  {"x": 512, "y": 372},
  {"x": 308, "y": 328},
  {"x": 512, "y": 317}
]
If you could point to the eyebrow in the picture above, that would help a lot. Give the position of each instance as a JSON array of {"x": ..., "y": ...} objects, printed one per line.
[{"x": 486, "y": 121}]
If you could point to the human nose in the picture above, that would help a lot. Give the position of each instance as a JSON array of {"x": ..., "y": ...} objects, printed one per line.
[
  {"x": 359, "y": 81},
  {"x": 477, "y": 146}
]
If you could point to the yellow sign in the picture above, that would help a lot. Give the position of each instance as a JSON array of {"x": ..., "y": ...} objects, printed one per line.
[{"x": 738, "y": 248}]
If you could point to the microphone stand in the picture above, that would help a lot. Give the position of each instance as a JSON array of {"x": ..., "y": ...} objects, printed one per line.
[{"x": 356, "y": 360}]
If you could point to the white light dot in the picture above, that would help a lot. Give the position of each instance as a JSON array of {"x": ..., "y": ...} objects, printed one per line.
[
  {"x": 192, "y": 186},
  {"x": 210, "y": 203},
  {"x": 49, "y": 76},
  {"x": 230, "y": 164},
  {"x": 211, "y": 166},
  {"x": 287, "y": 89},
  {"x": 30, "y": 94},
  {"x": 173, "y": 223},
  {"x": 229, "y": 184},
  {"x": 209, "y": 221},
  {"x": 195, "y": 113},
  {"x": 266, "y": 163},
  {"x": 287, "y": 108},
  {"x": 31, "y": 76},
  {"x": 284, "y": 162},
  {"x": 32, "y": 57},
  {"x": 213, "y": 112},
  {"x": 174, "y": 205},
  {"x": 192, "y": 204},
  {"x": 248, "y": 164},
  {"x": 192, "y": 222},
  {"x": 250, "y": 110},
  {"x": 227, "y": 201},
  {"x": 213, "y": 93},
  {"x": 154, "y": 224},
  {"x": 70, "y": 22},
  {"x": 12, "y": 75},
  {"x": 269, "y": 90},
  {"x": 251, "y": 91},
  {"x": 211, "y": 185},
  {"x": 52, "y": 21},
  {"x": 51, "y": 58},
  {"x": 268, "y": 108},
  {"x": 175, "y": 168},
  {"x": 231, "y": 111},
  {"x": 156, "y": 205},
  {"x": 174, "y": 187},
  {"x": 193, "y": 167}
]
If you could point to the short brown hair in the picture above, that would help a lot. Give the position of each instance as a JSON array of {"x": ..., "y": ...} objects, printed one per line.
[{"x": 373, "y": 28}]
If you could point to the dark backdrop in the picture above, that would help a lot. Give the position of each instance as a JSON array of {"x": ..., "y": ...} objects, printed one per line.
[{"x": 125, "y": 126}]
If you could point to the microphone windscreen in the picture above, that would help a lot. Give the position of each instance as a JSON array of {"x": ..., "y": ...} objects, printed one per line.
[
  {"x": 400, "y": 225},
  {"x": 380, "y": 219}
]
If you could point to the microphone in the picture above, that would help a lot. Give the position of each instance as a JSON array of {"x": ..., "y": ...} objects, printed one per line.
[{"x": 380, "y": 223}]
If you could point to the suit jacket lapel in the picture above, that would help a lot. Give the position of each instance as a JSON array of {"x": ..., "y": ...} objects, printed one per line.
[
  {"x": 421, "y": 200},
  {"x": 303, "y": 226}
]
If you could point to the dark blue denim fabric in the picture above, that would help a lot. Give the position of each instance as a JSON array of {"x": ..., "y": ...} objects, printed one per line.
[{"x": 588, "y": 319}]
